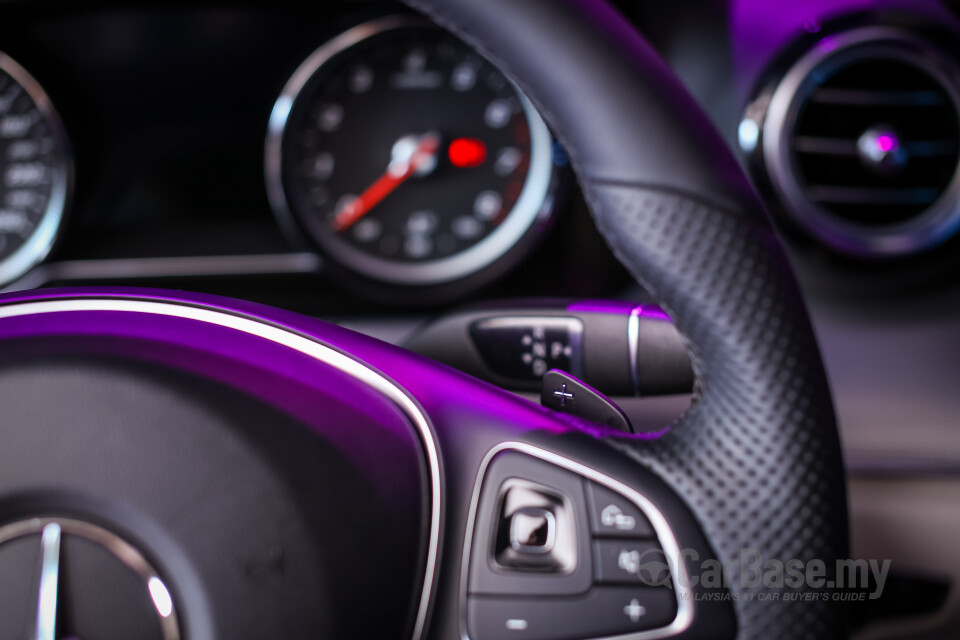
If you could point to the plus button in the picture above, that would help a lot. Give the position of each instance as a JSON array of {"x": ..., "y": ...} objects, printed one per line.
[
  {"x": 634, "y": 611},
  {"x": 563, "y": 395}
]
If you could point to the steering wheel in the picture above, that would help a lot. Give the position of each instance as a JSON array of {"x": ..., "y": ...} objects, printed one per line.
[{"x": 187, "y": 466}]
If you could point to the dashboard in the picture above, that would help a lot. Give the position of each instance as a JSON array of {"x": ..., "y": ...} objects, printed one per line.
[{"x": 349, "y": 161}]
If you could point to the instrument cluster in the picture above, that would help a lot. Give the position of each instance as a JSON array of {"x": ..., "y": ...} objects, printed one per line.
[
  {"x": 407, "y": 157},
  {"x": 392, "y": 160}
]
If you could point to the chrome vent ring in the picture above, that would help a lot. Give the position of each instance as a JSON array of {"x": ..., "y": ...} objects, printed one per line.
[{"x": 861, "y": 143}]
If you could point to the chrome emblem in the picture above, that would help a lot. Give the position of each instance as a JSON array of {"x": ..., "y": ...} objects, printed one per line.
[{"x": 99, "y": 548}]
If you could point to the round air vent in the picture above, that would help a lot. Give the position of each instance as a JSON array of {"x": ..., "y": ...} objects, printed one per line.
[{"x": 861, "y": 142}]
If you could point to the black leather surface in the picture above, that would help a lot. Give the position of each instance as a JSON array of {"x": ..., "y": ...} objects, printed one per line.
[
  {"x": 264, "y": 525},
  {"x": 757, "y": 457}
]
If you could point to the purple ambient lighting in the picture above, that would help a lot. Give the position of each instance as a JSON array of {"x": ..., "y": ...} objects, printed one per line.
[
  {"x": 828, "y": 44},
  {"x": 887, "y": 142},
  {"x": 760, "y": 28},
  {"x": 614, "y": 307},
  {"x": 621, "y": 308},
  {"x": 652, "y": 435},
  {"x": 654, "y": 312},
  {"x": 811, "y": 25}
]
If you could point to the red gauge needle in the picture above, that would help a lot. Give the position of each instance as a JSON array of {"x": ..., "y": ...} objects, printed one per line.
[{"x": 401, "y": 167}]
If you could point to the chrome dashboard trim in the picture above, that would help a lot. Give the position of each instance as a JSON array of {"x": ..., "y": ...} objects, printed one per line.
[
  {"x": 290, "y": 338},
  {"x": 168, "y": 267},
  {"x": 633, "y": 344}
]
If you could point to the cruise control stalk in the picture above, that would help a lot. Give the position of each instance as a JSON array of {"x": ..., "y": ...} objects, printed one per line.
[{"x": 618, "y": 348}]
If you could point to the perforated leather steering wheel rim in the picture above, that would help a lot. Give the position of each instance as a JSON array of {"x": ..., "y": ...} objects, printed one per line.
[{"x": 757, "y": 457}]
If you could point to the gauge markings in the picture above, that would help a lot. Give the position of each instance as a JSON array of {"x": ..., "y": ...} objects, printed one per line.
[
  {"x": 34, "y": 172},
  {"x": 403, "y": 165},
  {"x": 405, "y": 155}
]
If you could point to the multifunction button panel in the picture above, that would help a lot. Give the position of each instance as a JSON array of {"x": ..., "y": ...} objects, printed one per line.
[{"x": 556, "y": 555}]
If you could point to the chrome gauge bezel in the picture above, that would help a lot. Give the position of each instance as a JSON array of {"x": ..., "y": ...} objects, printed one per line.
[
  {"x": 44, "y": 236},
  {"x": 532, "y": 210}
]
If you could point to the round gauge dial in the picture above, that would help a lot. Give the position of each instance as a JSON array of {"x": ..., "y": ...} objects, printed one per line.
[
  {"x": 35, "y": 171},
  {"x": 407, "y": 157}
]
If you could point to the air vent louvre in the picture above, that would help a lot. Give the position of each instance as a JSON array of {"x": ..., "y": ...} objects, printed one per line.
[
  {"x": 862, "y": 143},
  {"x": 877, "y": 92}
]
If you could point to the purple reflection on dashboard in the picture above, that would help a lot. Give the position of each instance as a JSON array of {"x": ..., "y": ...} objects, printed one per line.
[
  {"x": 651, "y": 435},
  {"x": 616, "y": 307},
  {"x": 654, "y": 313},
  {"x": 760, "y": 29}
]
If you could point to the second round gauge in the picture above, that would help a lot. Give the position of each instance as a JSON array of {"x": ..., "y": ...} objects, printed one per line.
[{"x": 407, "y": 157}]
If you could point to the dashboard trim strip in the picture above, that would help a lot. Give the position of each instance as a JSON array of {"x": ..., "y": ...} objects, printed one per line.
[{"x": 169, "y": 267}]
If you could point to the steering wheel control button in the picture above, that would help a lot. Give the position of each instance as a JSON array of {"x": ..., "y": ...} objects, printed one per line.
[
  {"x": 523, "y": 349},
  {"x": 536, "y": 529},
  {"x": 562, "y": 392},
  {"x": 614, "y": 516},
  {"x": 533, "y": 530},
  {"x": 631, "y": 562},
  {"x": 603, "y": 611},
  {"x": 639, "y": 609},
  {"x": 531, "y": 535}
]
